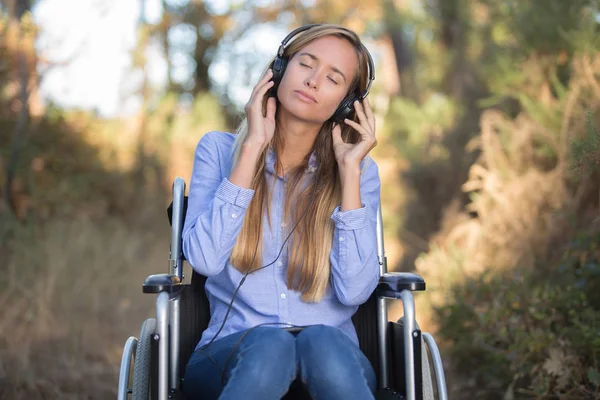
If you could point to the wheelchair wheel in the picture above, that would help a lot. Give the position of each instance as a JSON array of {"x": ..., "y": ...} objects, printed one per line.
[
  {"x": 126, "y": 366},
  {"x": 143, "y": 361}
]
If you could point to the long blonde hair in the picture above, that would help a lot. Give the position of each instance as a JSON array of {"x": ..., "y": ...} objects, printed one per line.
[{"x": 310, "y": 245}]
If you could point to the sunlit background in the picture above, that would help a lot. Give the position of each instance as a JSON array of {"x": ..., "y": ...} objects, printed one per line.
[
  {"x": 96, "y": 70},
  {"x": 489, "y": 155}
]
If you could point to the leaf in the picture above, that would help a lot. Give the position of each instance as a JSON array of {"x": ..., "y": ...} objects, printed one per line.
[
  {"x": 594, "y": 376},
  {"x": 555, "y": 364}
]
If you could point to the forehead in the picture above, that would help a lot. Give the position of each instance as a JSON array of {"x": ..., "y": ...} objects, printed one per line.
[{"x": 334, "y": 52}]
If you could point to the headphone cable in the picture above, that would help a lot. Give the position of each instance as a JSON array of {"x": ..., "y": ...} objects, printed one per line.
[{"x": 258, "y": 269}]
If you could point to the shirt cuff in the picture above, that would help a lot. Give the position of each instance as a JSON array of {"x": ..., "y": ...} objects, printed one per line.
[
  {"x": 350, "y": 219},
  {"x": 234, "y": 194}
]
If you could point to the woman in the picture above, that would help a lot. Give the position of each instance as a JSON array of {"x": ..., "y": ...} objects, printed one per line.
[{"x": 282, "y": 219}]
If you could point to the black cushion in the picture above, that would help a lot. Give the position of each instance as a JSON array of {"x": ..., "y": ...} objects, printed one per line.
[
  {"x": 391, "y": 284},
  {"x": 162, "y": 282}
]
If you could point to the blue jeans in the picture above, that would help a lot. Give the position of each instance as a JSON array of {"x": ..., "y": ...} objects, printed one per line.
[{"x": 266, "y": 360}]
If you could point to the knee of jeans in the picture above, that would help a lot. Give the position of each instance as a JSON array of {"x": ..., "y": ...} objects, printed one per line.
[
  {"x": 326, "y": 354},
  {"x": 320, "y": 337},
  {"x": 272, "y": 342},
  {"x": 319, "y": 344},
  {"x": 326, "y": 366},
  {"x": 276, "y": 350},
  {"x": 322, "y": 345}
]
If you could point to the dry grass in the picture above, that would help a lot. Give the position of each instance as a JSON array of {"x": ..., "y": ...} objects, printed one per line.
[
  {"x": 70, "y": 297},
  {"x": 522, "y": 191},
  {"x": 74, "y": 262}
]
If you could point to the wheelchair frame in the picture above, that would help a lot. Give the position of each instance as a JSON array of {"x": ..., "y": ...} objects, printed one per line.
[{"x": 397, "y": 285}]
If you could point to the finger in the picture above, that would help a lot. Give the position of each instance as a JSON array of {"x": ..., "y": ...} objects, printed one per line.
[
  {"x": 336, "y": 134},
  {"x": 264, "y": 79},
  {"x": 369, "y": 113},
  {"x": 271, "y": 108},
  {"x": 266, "y": 76},
  {"x": 364, "y": 133},
  {"x": 263, "y": 89},
  {"x": 260, "y": 92},
  {"x": 360, "y": 113}
]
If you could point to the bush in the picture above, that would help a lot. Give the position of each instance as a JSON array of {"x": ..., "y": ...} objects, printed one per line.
[{"x": 531, "y": 334}]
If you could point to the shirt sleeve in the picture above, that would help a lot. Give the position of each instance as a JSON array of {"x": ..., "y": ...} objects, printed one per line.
[
  {"x": 354, "y": 264},
  {"x": 215, "y": 213}
]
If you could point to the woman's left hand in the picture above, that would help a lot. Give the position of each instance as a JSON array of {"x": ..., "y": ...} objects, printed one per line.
[{"x": 348, "y": 154}]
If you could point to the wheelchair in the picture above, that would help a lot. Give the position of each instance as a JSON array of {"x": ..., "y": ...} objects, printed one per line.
[{"x": 153, "y": 364}]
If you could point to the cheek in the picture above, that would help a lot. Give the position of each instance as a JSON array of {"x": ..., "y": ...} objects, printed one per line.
[
  {"x": 334, "y": 101},
  {"x": 288, "y": 76},
  {"x": 284, "y": 84}
]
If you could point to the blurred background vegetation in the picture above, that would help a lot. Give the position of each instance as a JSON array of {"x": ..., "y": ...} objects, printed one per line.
[{"x": 489, "y": 156}]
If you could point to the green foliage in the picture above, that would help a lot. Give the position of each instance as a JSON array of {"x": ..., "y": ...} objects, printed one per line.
[
  {"x": 544, "y": 115},
  {"x": 419, "y": 128},
  {"x": 58, "y": 171},
  {"x": 542, "y": 25},
  {"x": 586, "y": 152},
  {"x": 528, "y": 42},
  {"x": 537, "y": 332}
]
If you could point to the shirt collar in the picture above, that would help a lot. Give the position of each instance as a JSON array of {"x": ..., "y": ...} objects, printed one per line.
[{"x": 270, "y": 162}]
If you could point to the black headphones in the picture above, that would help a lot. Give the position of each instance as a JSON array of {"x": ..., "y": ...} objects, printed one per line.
[{"x": 346, "y": 107}]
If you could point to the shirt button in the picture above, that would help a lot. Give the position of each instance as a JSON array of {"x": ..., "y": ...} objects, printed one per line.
[
  {"x": 279, "y": 263},
  {"x": 283, "y": 224},
  {"x": 283, "y": 296},
  {"x": 234, "y": 215},
  {"x": 341, "y": 239}
]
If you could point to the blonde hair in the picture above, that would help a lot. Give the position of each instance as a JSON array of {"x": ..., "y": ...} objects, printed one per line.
[{"x": 310, "y": 245}]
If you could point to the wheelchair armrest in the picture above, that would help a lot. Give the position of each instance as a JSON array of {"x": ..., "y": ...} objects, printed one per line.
[
  {"x": 162, "y": 283},
  {"x": 392, "y": 283}
]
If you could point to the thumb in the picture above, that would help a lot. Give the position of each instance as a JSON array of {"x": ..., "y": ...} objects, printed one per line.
[
  {"x": 271, "y": 107},
  {"x": 336, "y": 134}
]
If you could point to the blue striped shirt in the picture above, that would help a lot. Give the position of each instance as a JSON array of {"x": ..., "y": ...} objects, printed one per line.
[{"x": 216, "y": 210}]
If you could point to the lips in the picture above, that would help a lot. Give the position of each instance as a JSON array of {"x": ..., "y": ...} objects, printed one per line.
[{"x": 305, "y": 96}]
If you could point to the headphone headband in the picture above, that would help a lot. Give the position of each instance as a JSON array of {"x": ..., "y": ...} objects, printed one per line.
[
  {"x": 303, "y": 28},
  {"x": 291, "y": 35}
]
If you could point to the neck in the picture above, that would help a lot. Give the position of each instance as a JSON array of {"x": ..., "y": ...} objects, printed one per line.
[{"x": 297, "y": 139}]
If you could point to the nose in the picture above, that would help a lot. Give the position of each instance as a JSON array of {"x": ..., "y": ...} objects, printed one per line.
[{"x": 311, "y": 81}]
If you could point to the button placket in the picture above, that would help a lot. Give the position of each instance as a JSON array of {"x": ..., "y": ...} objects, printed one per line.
[{"x": 279, "y": 237}]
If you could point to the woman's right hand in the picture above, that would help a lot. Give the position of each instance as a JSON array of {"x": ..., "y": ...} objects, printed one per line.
[{"x": 261, "y": 127}]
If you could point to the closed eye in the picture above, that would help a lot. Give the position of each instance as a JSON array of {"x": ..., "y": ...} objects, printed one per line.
[
  {"x": 332, "y": 80},
  {"x": 305, "y": 65}
]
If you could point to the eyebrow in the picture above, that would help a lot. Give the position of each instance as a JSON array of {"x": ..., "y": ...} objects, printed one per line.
[{"x": 334, "y": 69}]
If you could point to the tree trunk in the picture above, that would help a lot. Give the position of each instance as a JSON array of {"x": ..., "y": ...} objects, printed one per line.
[
  {"x": 145, "y": 93},
  {"x": 165, "y": 25},
  {"x": 402, "y": 51},
  {"x": 19, "y": 8}
]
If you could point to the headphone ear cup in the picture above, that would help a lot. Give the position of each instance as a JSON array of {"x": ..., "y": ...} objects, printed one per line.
[
  {"x": 344, "y": 110},
  {"x": 278, "y": 67}
]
